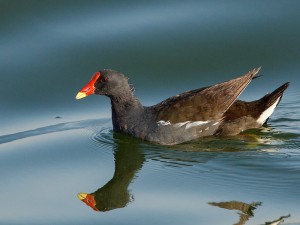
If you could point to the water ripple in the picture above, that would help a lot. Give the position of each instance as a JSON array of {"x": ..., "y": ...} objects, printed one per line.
[
  {"x": 50, "y": 129},
  {"x": 103, "y": 137}
]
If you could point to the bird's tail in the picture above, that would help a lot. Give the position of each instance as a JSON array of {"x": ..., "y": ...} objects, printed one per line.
[
  {"x": 271, "y": 100},
  {"x": 276, "y": 95}
]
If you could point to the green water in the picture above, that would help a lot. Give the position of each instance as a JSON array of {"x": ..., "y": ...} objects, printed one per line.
[{"x": 53, "y": 147}]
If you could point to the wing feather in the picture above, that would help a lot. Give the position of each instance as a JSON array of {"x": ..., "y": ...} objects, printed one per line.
[{"x": 204, "y": 104}]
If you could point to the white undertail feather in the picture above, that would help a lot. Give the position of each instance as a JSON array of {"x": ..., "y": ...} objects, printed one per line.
[{"x": 267, "y": 113}]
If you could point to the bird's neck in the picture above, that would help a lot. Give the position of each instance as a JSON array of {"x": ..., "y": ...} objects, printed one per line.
[{"x": 125, "y": 109}]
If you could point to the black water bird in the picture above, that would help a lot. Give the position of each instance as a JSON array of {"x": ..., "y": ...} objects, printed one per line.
[{"x": 208, "y": 111}]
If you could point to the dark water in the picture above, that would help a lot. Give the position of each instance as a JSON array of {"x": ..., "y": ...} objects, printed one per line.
[{"x": 53, "y": 147}]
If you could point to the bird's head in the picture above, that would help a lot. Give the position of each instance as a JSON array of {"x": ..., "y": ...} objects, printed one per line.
[{"x": 105, "y": 82}]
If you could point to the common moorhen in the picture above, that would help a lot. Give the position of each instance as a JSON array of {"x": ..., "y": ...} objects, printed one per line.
[{"x": 207, "y": 111}]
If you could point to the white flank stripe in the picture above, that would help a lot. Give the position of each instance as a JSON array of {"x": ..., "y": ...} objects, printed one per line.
[
  {"x": 187, "y": 124},
  {"x": 163, "y": 123},
  {"x": 197, "y": 123},
  {"x": 181, "y": 124},
  {"x": 267, "y": 113}
]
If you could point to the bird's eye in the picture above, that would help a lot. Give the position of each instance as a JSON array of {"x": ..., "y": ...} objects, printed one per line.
[{"x": 104, "y": 79}]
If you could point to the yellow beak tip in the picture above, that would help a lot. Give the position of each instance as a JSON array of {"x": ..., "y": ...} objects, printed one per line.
[
  {"x": 81, "y": 195},
  {"x": 80, "y": 95}
]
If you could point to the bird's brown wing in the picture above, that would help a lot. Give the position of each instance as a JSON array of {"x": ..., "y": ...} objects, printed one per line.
[{"x": 205, "y": 104}]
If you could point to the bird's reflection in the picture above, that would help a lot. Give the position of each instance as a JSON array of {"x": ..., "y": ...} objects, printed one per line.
[
  {"x": 278, "y": 221},
  {"x": 115, "y": 194},
  {"x": 245, "y": 210},
  {"x": 129, "y": 159}
]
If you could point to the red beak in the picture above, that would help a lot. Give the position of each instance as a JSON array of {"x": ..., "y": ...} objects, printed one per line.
[
  {"x": 89, "y": 88},
  {"x": 88, "y": 199}
]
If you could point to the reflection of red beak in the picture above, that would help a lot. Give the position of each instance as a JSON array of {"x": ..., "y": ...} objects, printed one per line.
[
  {"x": 88, "y": 199},
  {"x": 89, "y": 88}
]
